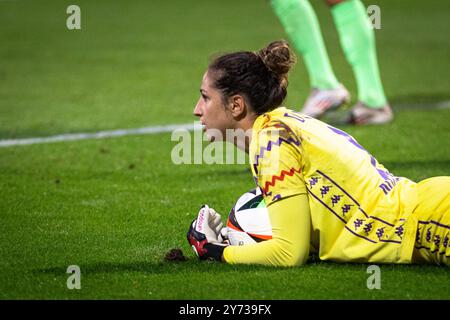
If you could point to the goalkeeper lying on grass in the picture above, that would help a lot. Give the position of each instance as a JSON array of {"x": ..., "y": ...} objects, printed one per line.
[{"x": 324, "y": 191}]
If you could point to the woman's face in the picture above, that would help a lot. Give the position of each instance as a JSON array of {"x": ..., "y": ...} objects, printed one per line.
[{"x": 214, "y": 115}]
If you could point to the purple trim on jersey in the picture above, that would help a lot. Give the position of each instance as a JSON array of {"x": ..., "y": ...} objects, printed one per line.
[
  {"x": 313, "y": 181},
  {"x": 370, "y": 240},
  {"x": 336, "y": 198},
  {"x": 358, "y": 235},
  {"x": 381, "y": 220},
  {"x": 436, "y": 223},
  {"x": 359, "y": 207},
  {"x": 348, "y": 137},
  {"x": 367, "y": 216},
  {"x": 276, "y": 197},
  {"x": 393, "y": 241},
  {"x": 299, "y": 118},
  {"x": 320, "y": 172},
  {"x": 340, "y": 218},
  {"x": 380, "y": 232},
  {"x": 434, "y": 251},
  {"x": 324, "y": 190},
  {"x": 269, "y": 148},
  {"x": 346, "y": 208},
  {"x": 368, "y": 227}
]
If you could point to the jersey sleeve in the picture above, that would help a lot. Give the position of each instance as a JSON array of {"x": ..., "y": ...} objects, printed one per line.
[
  {"x": 289, "y": 246},
  {"x": 277, "y": 163}
]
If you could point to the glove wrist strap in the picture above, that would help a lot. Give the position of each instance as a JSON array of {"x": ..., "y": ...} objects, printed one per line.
[{"x": 214, "y": 252}]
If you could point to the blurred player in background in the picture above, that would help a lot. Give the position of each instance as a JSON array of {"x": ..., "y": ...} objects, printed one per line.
[
  {"x": 358, "y": 43},
  {"x": 324, "y": 192}
]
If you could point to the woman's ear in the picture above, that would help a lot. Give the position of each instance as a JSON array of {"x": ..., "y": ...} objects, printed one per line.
[{"x": 238, "y": 106}]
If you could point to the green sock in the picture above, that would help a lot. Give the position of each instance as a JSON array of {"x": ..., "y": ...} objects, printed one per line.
[
  {"x": 300, "y": 22},
  {"x": 358, "y": 43}
]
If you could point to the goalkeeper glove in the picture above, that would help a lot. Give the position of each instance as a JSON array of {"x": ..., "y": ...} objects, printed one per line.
[{"x": 204, "y": 235}]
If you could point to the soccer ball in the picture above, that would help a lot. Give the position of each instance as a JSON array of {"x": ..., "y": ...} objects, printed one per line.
[{"x": 248, "y": 221}]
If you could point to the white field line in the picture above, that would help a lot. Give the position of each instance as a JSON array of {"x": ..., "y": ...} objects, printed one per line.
[
  {"x": 413, "y": 106},
  {"x": 144, "y": 130},
  {"x": 443, "y": 105},
  {"x": 100, "y": 134}
]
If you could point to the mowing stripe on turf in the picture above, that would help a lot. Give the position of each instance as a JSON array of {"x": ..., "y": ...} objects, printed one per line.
[{"x": 100, "y": 134}]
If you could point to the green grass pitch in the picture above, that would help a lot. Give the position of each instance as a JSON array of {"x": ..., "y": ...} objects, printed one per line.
[{"x": 115, "y": 206}]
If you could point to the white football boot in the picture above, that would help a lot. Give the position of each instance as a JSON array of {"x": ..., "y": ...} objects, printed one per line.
[
  {"x": 322, "y": 100},
  {"x": 360, "y": 114}
]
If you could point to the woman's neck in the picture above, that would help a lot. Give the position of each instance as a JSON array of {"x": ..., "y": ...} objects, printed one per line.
[{"x": 243, "y": 132}]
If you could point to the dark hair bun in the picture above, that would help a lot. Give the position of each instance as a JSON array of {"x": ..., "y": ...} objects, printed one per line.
[
  {"x": 261, "y": 76},
  {"x": 278, "y": 58}
]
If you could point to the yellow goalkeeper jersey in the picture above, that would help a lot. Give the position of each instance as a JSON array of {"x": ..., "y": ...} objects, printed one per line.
[{"x": 359, "y": 210}]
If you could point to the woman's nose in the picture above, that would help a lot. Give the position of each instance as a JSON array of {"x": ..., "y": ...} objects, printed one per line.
[{"x": 197, "y": 109}]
